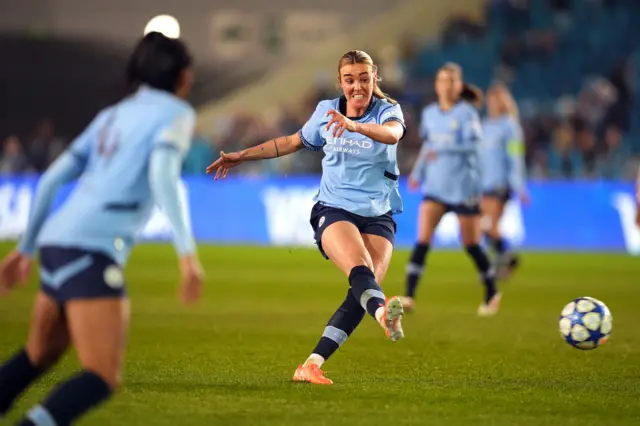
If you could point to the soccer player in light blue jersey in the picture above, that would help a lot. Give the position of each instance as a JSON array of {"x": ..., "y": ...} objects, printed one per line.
[
  {"x": 638, "y": 200},
  {"x": 353, "y": 217},
  {"x": 448, "y": 169},
  {"x": 503, "y": 170},
  {"x": 129, "y": 156}
]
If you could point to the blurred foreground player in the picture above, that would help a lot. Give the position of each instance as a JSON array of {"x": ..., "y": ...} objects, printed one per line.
[
  {"x": 129, "y": 156},
  {"x": 503, "y": 170},
  {"x": 638, "y": 200},
  {"x": 449, "y": 171},
  {"x": 352, "y": 218}
]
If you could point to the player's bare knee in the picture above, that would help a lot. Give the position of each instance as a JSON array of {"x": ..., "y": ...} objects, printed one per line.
[
  {"x": 423, "y": 239},
  {"x": 46, "y": 355},
  {"x": 470, "y": 240}
]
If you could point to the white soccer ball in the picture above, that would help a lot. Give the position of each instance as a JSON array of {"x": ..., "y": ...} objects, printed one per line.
[{"x": 586, "y": 323}]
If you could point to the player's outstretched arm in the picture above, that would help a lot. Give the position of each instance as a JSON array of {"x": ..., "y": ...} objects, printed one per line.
[
  {"x": 417, "y": 173},
  {"x": 165, "y": 165},
  {"x": 388, "y": 133},
  {"x": 278, "y": 147},
  {"x": 16, "y": 266},
  {"x": 66, "y": 168}
]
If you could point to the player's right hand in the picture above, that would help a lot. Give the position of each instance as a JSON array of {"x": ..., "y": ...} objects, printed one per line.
[
  {"x": 638, "y": 215},
  {"x": 14, "y": 269},
  {"x": 413, "y": 184},
  {"x": 223, "y": 164},
  {"x": 192, "y": 279}
]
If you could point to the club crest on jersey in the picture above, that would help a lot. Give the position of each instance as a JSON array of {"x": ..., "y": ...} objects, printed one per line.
[
  {"x": 113, "y": 277},
  {"x": 454, "y": 124}
]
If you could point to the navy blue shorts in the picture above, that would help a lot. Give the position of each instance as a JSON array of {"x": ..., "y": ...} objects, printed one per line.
[
  {"x": 72, "y": 273},
  {"x": 501, "y": 194},
  {"x": 322, "y": 216},
  {"x": 459, "y": 209}
]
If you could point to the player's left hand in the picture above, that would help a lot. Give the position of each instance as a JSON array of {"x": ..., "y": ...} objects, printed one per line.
[
  {"x": 342, "y": 123},
  {"x": 638, "y": 215},
  {"x": 14, "y": 269},
  {"x": 223, "y": 164}
]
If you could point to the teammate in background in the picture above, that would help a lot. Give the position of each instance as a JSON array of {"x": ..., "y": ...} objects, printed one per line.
[
  {"x": 129, "y": 156},
  {"x": 449, "y": 171},
  {"x": 352, "y": 218},
  {"x": 503, "y": 170},
  {"x": 638, "y": 200}
]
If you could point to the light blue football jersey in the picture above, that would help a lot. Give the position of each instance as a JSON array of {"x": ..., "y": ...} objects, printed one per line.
[
  {"x": 453, "y": 177},
  {"x": 114, "y": 196},
  {"x": 502, "y": 151},
  {"x": 359, "y": 175}
]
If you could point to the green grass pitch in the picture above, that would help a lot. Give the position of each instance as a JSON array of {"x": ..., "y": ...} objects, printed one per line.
[{"x": 229, "y": 360}]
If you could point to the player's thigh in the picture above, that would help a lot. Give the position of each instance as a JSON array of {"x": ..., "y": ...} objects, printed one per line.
[
  {"x": 492, "y": 208},
  {"x": 48, "y": 334},
  {"x": 99, "y": 329},
  {"x": 429, "y": 215},
  {"x": 343, "y": 244},
  {"x": 380, "y": 249},
  {"x": 470, "y": 228}
]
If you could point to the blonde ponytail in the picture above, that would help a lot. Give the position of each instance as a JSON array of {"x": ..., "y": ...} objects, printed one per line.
[{"x": 378, "y": 93}]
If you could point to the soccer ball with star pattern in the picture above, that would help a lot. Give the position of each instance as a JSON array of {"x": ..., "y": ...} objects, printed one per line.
[{"x": 586, "y": 323}]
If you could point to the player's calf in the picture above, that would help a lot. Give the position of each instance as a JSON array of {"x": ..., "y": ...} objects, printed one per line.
[
  {"x": 70, "y": 400},
  {"x": 15, "y": 376},
  {"x": 487, "y": 274},
  {"x": 506, "y": 265},
  {"x": 340, "y": 326}
]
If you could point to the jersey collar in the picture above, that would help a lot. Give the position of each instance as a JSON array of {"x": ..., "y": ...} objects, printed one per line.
[{"x": 342, "y": 107}]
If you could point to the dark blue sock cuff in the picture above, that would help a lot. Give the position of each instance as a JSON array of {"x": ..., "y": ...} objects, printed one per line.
[
  {"x": 361, "y": 271},
  {"x": 94, "y": 381}
]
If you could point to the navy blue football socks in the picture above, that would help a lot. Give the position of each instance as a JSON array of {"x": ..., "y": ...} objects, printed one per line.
[
  {"x": 366, "y": 290},
  {"x": 499, "y": 245},
  {"x": 343, "y": 322},
  {"x": 484, "y": 267},
  {"x": 415, "y": 268},
  {"x": 15, "y": 376},
  {"x": 69, "y": 401}
]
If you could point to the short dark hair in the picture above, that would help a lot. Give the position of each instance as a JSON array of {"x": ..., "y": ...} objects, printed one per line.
[{"x": 158, "y": 61}]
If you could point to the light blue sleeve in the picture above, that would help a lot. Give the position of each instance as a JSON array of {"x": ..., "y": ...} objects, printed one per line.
[
  {"x": 424, "y": 126},
  {"x": 516, "y": 152},
  {"x": 310, "y": 134},
  {"x": 419, "y": 168},
  {"x": 67, "y": 167},
  {"x": 392, "y": 113},
  {"x": 165, "y": 164}
]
